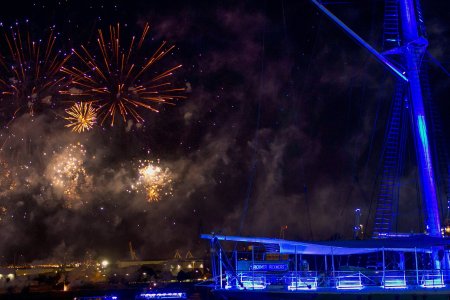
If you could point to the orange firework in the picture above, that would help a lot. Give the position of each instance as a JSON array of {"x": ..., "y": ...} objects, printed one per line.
[
  {"x": 67, "y": 174},
  {"x": 81, "y": 116},
  {"x": 153, "y": 181},
  {"x": 31, "y": 71},
  {"x": 116, "y": 83}
]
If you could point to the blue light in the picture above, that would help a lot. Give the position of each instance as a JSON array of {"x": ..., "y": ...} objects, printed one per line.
[
  {"x": 349, "y": 285},
  {"x": 253, "y": 282},
  {"x": 302, "y": 283},
  {"x": 247, "y": 281},
  {"x": 395, "y": 283},
  {"x": 394, "y": 279},
  {"x": 349, "y": 282},
  {"x": 424, "y": 138},
  {"x": 97, "y": 297},
  {"x": 160, "y": 295},
  {"x": 433, "y": 279},
  {"x": 250, "y": 285},
  {"x": 429, "y": 284},
  {"x": 427, "y": 174},
  {"x": 268, "y": 267},
  {"x": 423, "y": 131}
]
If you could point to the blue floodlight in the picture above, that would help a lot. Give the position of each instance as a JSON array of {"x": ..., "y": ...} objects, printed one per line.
[
  {"x": 252, "y": 282},
  {"x": 303, "y": 284},
  {"x": 97, "y": 298},
  {"x": 349, "y": 282},
  {"x": 433, "y": 279},
  {"x": 395, "y": 283},
  {"x": 162, "y": 295},
  {"x": 430, "y": 284}
]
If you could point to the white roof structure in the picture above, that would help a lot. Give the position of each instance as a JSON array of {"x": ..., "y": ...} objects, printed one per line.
[{"x": 414, "y": 243}]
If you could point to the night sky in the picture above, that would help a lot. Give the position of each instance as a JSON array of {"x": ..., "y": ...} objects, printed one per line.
[{"x": 282, "y": 124}]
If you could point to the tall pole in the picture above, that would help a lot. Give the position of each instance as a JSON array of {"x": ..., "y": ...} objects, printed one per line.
[
  {"x": 417, "y": 266},
  {"x": 220, "y": 268},
  {"x": 414, "y": 47},
  {"x": 213, "y": 261},
  {"x": 296, "y": 268},
  {"x": 384, "y": 267},
  {"x": 253, "y": 266},
  {"x": 332, "y": 262},
  {"x": 236, "y": 266}
]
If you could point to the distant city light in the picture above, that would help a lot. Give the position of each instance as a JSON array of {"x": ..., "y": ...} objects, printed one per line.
[{"x": 105, "y": 263}]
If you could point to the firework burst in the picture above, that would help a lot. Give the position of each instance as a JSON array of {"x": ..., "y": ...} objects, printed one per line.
[
  {"x": 30, "y": 75},
  {"x": 68, "y": 175},
  {"x": 154, "y": 181},
  {"x": 81, "y": 116},
  {"x": 116, "y": 82}
]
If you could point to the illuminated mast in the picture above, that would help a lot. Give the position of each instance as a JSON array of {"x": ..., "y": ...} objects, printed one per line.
[
  {"x": 411, "y": 51},
  {"x": 413, "y": 48}
]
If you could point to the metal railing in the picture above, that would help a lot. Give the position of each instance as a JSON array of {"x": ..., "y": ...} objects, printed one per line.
[
  {"x": 343, "y": 280},
  {"x": 303, "y": 280}
]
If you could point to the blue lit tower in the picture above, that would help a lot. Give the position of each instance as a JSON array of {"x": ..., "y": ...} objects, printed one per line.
[
  {"x": 404, "y": 41},
  {"x": 404, "y": 48},
  {"x": 413, "y": 48}
]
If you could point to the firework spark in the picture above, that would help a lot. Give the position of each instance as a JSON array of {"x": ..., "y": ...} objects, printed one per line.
[
  {"x": 30, "y": 75},
  {"x": 3, "y": 211},
  {"x": 67, "y": 173},
  {"x": 6, "y": 179},
  {"x": 81, "y": 116},
  {"x": 116, "y": 82},
  {"x": 153, "y": 180}
]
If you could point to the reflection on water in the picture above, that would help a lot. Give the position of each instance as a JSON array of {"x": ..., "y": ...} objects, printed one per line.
[{"x": 193, "y": 293}]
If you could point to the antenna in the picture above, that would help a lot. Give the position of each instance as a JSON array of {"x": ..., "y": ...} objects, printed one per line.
[{"x": 357, "y": 227}]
